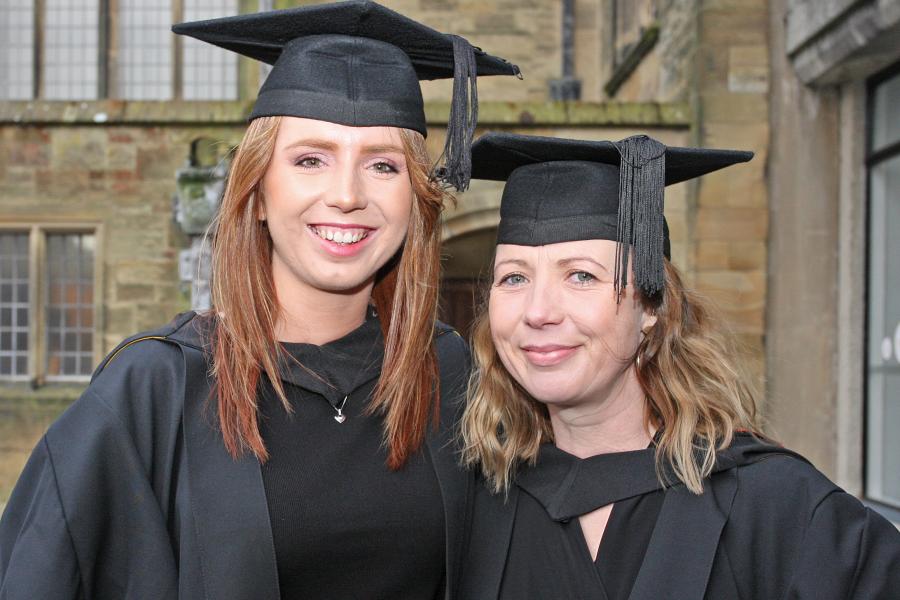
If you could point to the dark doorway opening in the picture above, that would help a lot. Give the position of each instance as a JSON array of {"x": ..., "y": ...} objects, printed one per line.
[{"x": 466, "y": 274}]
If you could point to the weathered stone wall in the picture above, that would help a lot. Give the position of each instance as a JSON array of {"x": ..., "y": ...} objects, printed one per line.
[
  {"x": 713, "y": 55},
  {"x": 121, "y": 179},
  {"x": 730, "y": 228}
]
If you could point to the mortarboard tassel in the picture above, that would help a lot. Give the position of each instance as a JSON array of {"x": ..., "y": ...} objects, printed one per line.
[
  {"x": 457, "y": 155},
  {"x": 642, "y": 175}
]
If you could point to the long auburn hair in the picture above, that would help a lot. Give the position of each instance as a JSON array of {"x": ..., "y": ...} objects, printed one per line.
[
  {"x": 244, "y": 346},
  {"x": 697, "y": 396}
]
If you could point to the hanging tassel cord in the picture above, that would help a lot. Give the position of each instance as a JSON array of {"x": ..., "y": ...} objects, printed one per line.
[
  {"x": 641, "y": 216},
  {"x": 457, "y": 154}
]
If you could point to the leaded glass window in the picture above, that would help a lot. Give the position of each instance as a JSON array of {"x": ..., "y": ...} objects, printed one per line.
[
  {"x": 208, "y": 72},
  {"x": 17, "y": 50},
  {"x": 71, "y": 49},
  {"x": 70, "y": 305},
  {"x": 883, "y": 352},
  {"x": 14, "y": 305},
  {"x": 145, "y": 50}
]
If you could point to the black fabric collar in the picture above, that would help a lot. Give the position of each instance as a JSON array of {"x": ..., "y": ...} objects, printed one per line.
[
  {"x": 568, "y": 486},
  {"x": 337, "y": 368}
]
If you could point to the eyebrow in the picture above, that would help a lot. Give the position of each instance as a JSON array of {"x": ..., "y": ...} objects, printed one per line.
[
  {"x": 330, "y": 146},
  {"x": 568, "y": 261},
  {"x": 512, "y": 261}
]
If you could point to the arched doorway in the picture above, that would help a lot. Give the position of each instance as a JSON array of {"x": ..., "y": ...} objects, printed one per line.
[{"x": 466, "y": 272}]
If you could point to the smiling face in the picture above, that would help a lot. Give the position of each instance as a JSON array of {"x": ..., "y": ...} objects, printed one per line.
[
  {"x": 337, "y": 202},
  {"x": 556, "y": 324}
]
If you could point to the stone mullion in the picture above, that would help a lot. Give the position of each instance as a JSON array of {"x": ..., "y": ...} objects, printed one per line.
[
  {"x": 177, "y": 52},
  {"x": 38, "y": 83}
]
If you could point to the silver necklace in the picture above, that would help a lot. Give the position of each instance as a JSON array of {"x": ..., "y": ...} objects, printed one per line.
[{"x": 340, "y": 417}]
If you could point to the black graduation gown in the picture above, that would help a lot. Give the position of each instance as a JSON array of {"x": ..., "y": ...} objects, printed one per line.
[
  {"x": 131, "y": 493},
  {"x": 767, "y": 526}
]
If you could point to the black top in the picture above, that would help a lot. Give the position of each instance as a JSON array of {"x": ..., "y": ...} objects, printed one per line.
[
  {"x": 340, "y": 518},
  {"x": 549, "y": 558},
  {"x": 131, "y": 493}
]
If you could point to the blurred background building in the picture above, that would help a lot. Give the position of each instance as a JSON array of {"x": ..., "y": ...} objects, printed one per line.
[{"x": 116, "y": 135}]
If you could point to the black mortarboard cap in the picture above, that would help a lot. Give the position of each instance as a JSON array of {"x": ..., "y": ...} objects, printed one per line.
[
  {"x": 358, "y": 63},
  {"x": 563, "y": 190}
]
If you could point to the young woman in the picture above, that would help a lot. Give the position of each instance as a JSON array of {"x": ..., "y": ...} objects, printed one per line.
[
  {"x": 295, "y": 440},
  {"x": 610, "y": 420}
]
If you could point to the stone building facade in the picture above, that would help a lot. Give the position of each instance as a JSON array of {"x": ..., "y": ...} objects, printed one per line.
[{"x": 779, "y": 242}]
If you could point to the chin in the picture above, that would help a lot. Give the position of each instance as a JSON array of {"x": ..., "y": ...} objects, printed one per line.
[
  {"x": 346, "y": 284},
  {"x": 550, "y": 393}
]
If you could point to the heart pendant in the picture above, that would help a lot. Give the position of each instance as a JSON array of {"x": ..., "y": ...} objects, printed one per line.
[{"x": 340, "y": 418}]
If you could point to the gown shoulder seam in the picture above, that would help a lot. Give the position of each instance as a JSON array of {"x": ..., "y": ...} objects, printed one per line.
[
  {"x": 806, "y": 530},
  {"x": 62, "y": 509}
]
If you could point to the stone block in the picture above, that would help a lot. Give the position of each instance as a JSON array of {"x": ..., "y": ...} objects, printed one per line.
[
  {"x": 78, "y": 148},
  {"x": 711, "y": 255},
  {"x": 741, "y": 136},
  {"x": 750, "y": 321},
  {"x": 134, "y": 292},
  {"x": 716, "y": 255},
  {"x": 143, "y": 272},
  {"x": 121, "y": 157},
  {"x": 157, "y": 163},
  {"x": 62, "y": 184},
  {"x": 748, "y": 256},
  {"x": 676, "y": 198},
  {"x": 712, "y": 72},
  {"x": 748, "y": 69},
  {"x": 173, "y": 294},
  {"x": 154, "y": 315},
  {"x": 743, "y": 26},
  {"x": 28, "y": 150},
  {"x": 725, "y": 107},
  {"x": 681, "y": 256},
  {"x": 736, "y": 291},
  {"x": 119, "y": 321},
  {"x": 740, "y": 186},
  {"x": 125, "y": 242},
  {"x": 120, "y": 136},
  {"x": 678, "y": 227},
  {"x": 17, "y": 181},
  {"x": 124, "y": 183},
  {"x": 731, "y": 224}
]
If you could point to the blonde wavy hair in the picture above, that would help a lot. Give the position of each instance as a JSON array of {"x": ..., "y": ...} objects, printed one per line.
[{"x": 697, "y": 395}]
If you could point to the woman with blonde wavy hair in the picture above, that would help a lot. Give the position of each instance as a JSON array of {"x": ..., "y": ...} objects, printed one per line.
[
  {"x": 294, "y": 441},
  {"x": 616, "y": 436}
]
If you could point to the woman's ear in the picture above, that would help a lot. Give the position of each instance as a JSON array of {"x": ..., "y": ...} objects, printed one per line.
[
  {"x": 647, "y": 322},
  {"x": 259, "y": 200}
]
